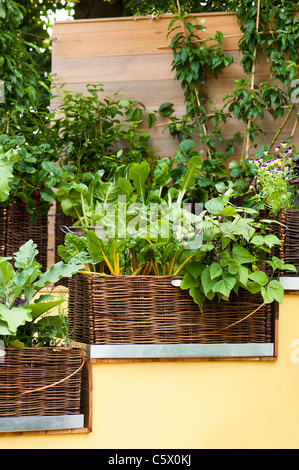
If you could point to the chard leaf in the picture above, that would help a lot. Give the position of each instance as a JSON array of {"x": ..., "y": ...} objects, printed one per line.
[
  {"x": 138, "y": 173},
  {"x": 193, "y": 169}
]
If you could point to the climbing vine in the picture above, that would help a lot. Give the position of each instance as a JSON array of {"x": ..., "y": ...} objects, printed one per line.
[{"x": 269, "y": 28}]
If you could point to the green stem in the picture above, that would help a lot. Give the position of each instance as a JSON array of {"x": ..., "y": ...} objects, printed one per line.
[{"x": 282, "y": 125}]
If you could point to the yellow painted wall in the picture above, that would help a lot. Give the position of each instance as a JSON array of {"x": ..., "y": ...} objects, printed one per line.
[{"x": 192, "y": 405}]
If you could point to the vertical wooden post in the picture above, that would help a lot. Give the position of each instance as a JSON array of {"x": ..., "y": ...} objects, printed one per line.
[{"x": 247, "y": 145}]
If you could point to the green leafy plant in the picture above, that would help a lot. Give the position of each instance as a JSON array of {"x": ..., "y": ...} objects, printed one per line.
[
  {"x": 26, "y": 168},
  {"x": 23, "y": 111},
  {"x": 97, "y": 132},
  {"x": 92, "y": 201},
  {"x": 274, "y": 186},
  {"x": 233, "y": 255},
  {"x": 266, "y": 29},
  {"x": 21, "y": 309}
]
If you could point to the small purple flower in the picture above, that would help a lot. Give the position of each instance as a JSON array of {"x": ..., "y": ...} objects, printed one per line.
[{"x": 19, "y": 302}]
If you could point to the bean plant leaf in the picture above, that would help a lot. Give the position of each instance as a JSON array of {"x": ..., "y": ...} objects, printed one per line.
[
  {"x": 188, "y": 281},
  {"x": 224, "y": 286},
  {"x": 260, "y": 277},
  {"x": 275, "y": 289},
  {"x": 197, "y": 296},
  {"x": 242, "y": 255},
  {"x": 215, "y": 270}
]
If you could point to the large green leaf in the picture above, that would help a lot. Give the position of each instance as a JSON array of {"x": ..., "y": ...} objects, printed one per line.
[
  {"x": 260, "y": 277},
  {"x": 275, "y": 289},
  {"x": 215, "y": 205},
  {"x": 197, "y": 296},
  {"x": 39, "y": 308},
  {"x": 215, "y": 270},
  {"x": 188, "y": 281},
  {"x": 242, "y": 255},
  {"x": 107, "y": 193},
  {"x": 193, "y": 169},
  {"x": 96, "y": 247},
  {"x": 7, "y": 161},
  {"x": 14, "y": 317},
  {"x": 125, "y": 186},
  {"x": 56, "y": 272},
  {"x": 25, "y": 256},
  {"x": 224, "y": 286},
  {"x": 138, "y": 173},
  {"x": 206, "y": 281}
]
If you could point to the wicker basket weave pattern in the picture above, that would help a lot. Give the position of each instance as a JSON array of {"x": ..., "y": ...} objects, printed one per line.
[
  {"x": 19, "y": 230},
  {"x": 31, "y": 370},
  {"x": 150, "y": 310},
  {"x": 291, "y": 239}
]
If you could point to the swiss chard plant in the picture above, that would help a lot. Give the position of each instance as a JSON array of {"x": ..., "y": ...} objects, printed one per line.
[
  {"x": 233, "y": 253},
  {"x": 22, "y": 306},
  {"x": 91, "y": 200}
]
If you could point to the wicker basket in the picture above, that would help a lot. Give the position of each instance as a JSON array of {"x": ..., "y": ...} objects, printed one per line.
[
  {"x": 150, "y": 310},
  {"x": 19, "y": 230},
  {"x": 290, "y": 239},
  {"x": 27, "y": 378}
]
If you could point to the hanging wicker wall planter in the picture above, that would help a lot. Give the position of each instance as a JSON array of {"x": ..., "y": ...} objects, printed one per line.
[
  {"x": 19, "y": 230},
  {"x": 40, "y": 382},
  {"x": 150, "y": 310},
  {"x": 290, "y": 238}
]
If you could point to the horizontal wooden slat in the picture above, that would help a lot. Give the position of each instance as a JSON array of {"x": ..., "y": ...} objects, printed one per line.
[
  {"x": 148, "y": 67},
  {"x": 141, "y": 35}
]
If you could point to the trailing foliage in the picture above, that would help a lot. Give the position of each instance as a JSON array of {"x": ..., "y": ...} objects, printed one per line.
[{"x": 270, "y": 29}]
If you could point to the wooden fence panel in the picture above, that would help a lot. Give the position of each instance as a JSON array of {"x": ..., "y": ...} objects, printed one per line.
[{"x": 133, "y": 55}]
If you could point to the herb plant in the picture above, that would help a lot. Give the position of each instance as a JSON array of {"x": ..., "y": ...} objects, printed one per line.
[{"x": 97, "y": 132}]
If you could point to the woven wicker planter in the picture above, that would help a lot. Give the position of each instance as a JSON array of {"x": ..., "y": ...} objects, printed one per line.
[
  {"x": 118, "y": 310},
  {"x": 29, "y": 376},
  {"x": 290, "y": 238},
  {"x": 19, "y": 230}
]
